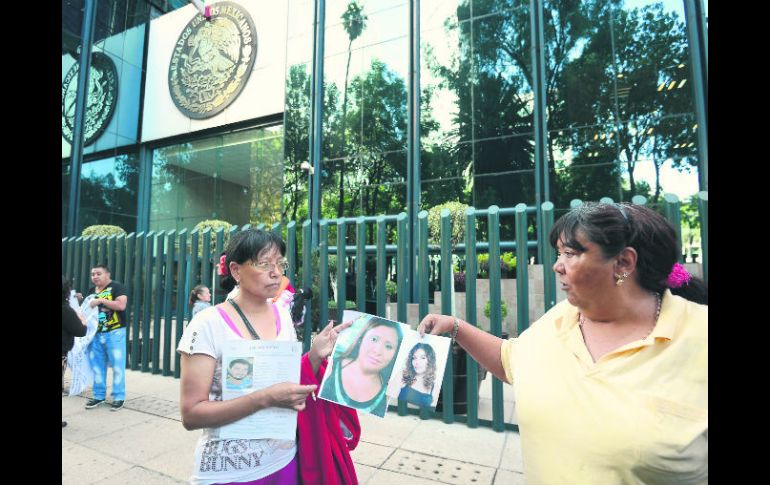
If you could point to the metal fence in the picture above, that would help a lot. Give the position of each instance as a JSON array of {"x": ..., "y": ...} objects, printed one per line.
[{"x": 159, "y": 270}]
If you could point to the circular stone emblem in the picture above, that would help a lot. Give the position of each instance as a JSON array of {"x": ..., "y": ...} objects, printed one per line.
[
  {"x": 212, "y": 61},
  {"x": 102, "y": 98}
]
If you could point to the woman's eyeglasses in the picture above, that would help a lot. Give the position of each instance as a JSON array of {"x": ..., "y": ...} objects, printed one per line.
[{"x": 281, "y": 266}]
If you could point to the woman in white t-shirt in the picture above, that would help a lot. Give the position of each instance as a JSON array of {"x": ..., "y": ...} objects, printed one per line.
[{"x": 255, "y": 261}]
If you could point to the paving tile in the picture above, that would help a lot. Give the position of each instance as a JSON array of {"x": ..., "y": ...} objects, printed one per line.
[
  {"x": 141, "y": 475},
  {"x": 157, "y": 436},
  {"x": 371, "y": 454},
  {"x": 511, "y": 459},
  {"x": 439, "y": 469},
  {"x": 82, "y": 465},
  {"x": 506, "y": 477},
  {"x": 387, "y": 477},
  {"x": 84, "y": 425},
  {"x": 363, "y": 472},
  {"x": 177, "y": 463},
  {"x": 153, "y": 405},
  {"x": 390, "y": 431},
  {"x": 456, "y": 441}
]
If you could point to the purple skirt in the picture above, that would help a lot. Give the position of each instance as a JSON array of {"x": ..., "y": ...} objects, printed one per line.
[{"x": 285, "y": 476}]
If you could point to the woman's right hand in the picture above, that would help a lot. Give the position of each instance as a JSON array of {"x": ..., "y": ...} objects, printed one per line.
[
  {"x": 289, "y": 395},
  {"x": 435, "y": 324}
]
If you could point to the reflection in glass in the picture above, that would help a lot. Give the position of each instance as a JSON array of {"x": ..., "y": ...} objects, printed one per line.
[
  {"x": 108, "y": 192},
  {"x": 235, "y": 177}
]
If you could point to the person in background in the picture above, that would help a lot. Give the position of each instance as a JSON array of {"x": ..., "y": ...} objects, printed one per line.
[
  {"x": 200, "y": 298},
  {"x": 109, "y": 344},
  {"x": 611, "y": 384},
  {"x": 72, "y": 325}
]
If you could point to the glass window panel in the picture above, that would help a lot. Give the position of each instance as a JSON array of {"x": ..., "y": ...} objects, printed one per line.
[
  {"x": 436, "y": 14},
  {"x": 441, "y": 79},
  {"x": 652, "y": 57},
  {"x": 236, "y": 177},
  {"x": 386, "y": 24},
  {"x": 383, "y": 98},
  {"x": 486, "y": 7},
  {"x": 579, "y": 64},
  {"x": 381, "y": 199},
  {"x": 65, "y": 195},
  {"x": 342, "y": 103},
  {"x": 504, "y": 190},
  {"x": 586, "y": 180},
  {"x": 437, "y": 192},
  {"x": 505, "y": 154},
  {"x": 108, "y": 192},
  {"x": 301, "y": 14},
  {"x": 446, "y": 160},
  {"x": 502, "y": 95},
  {"x": 660, "y": 151}
]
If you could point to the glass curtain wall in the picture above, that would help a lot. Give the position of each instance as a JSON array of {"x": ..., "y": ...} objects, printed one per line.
[
  {"x": 476, "y": 85},
  {"x": 109, "y": 175},
  {"x": 235, "y": 177},
  {"x": 619, "y": 103}
]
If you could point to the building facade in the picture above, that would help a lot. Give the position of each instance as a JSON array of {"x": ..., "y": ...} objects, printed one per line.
[{"x": 394, "y": 105}]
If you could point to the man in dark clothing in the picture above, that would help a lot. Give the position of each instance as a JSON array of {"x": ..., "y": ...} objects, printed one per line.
[
  {"x": 72, "y": 325},
  {"x": 109, "y": 344}
]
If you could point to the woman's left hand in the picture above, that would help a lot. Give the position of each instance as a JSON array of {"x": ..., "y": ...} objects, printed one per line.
[{"x": 323, "y": 344}]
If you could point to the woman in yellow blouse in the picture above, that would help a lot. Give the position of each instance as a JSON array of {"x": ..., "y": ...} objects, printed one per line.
[{"x": 611, "y": 384}]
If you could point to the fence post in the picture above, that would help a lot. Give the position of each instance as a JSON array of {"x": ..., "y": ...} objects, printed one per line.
[
  {"x": 361, "y": 264},
  {"x": 401, "y": 292},
  {"x": 167, "y": 290},
  {"x": 219, "y": 248},
  {"x": 138, "y": 264},
  {"x": 522, "y": 270},
  {"x": 671, "y": 209},
  {"x": 446, "y": 309},
  {"x": 158, "y": 301},
  {"x": 147, "y": 301},
  {"x": 127, "y": 274},
  {"x": 206, "y": 257},
  {"x": 639, "y": 200},
  {"x": 495, "y": 313},
  {"x": 422, "y": 276},
  {"x": 192, "y": 274},
  {"x": 323, "y": 270},
  {"x": 575, "y": 203},
  {"x": 549, "y": 277},
  {"x": 307, "y": 277},
  {"x": 181, "y": 296},
  {"x": 291, "y": 251},
  {"x": 606, "y": 200},
  {"x": 703, "y": 213},
  {"x": 380, "y": 272},
  {"x": 470, "y": 313},
  {"x": 342, "y": 279}
]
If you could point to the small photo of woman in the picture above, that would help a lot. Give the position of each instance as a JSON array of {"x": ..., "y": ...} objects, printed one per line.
[
  {"x": 239, "y": 373},
  {"x": 419, "y": 376}
]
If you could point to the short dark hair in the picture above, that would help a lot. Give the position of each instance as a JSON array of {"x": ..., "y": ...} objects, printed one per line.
[
  {"x": 65, "y": 288},
  {"x": 245, "y": 245},
  {"x": 613, "y": 227},
  {"x": 101, "y": 265}
]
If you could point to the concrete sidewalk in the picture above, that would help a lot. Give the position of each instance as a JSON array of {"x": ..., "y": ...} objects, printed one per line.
[{"x": 146, "y": 443}]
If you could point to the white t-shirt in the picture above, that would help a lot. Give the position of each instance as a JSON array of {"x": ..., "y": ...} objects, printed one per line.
[{"x": 231, "y": 460}]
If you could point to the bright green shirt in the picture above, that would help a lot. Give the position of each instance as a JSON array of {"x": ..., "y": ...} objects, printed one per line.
[{"x": 637, "y": 415}]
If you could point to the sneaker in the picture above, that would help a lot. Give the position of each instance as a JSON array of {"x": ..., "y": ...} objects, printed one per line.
[
  {"x": 92, "y": 403},
  {"x": 63, "y": 424},
  {"x": 116, "y": 405}
]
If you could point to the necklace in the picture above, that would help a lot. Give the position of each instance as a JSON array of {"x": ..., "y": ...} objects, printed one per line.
[{"x": 582, "y": 318}]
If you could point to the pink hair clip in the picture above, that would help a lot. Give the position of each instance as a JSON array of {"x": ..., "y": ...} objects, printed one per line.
[
  {"x": 221, "y": 268},
  {"x": 678, "y": 276}
]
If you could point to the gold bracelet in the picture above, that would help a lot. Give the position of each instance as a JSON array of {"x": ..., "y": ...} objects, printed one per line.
[{"x": 455, "y": 329}]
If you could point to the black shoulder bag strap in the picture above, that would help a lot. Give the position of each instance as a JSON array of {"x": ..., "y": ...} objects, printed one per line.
[{"x": 243, "y": 317}]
